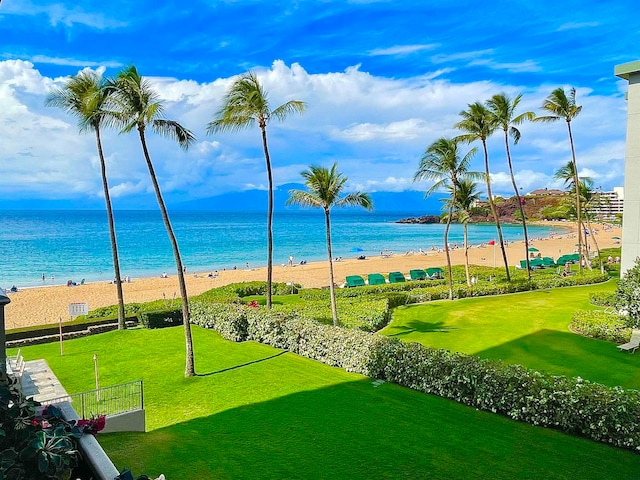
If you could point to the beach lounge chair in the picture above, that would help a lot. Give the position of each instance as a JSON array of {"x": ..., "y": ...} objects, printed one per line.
[
  {"x": 633, "y": 344},
  {"x": 435, "y": 273},
  {"x": 376, "y": 279},
  {"x": 417, "y": 274},
  {"x": 355, "y": 281},
  {"x": 396, "y": 277}
]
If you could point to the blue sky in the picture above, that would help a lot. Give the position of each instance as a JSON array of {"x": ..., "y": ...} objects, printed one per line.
[{"x": 382, "y": 80}]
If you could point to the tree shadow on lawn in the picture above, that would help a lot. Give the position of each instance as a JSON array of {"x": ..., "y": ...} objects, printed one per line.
[
  {"x": 357, "y": 431},
  {"x": 260, "y": 360},
  {"x": 417, "y": 323},
  {"x": 566, "y": 353}
]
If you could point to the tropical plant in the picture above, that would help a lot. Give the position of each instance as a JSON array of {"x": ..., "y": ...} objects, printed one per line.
[
  {"x": 324, "y": 187},
  {"x": 560, "y": 106},
  {"x": 503, "y": 110},
  {"x": 465, "y": 197},
  {"x": 442, "y": 164},
  {"x": 136, "y": 107},
  {"x": 85, "y": 96},
  {"x": 479, "y": 124},
  {"x": 591, "y": 199},
  {"x": 244, "y": 105},
  {"x": 628, "y": 294}
]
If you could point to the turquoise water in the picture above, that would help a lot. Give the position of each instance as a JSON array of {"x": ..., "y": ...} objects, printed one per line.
[{"x": 75, "y": 244}]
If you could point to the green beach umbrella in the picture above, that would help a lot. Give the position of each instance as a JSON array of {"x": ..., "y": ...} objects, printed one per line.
[
  {"x": 616, "y": 238},
  {"x": 533, "y": 249}
]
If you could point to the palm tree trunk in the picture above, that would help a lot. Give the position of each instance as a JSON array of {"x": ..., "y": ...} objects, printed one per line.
[
  {"x": 189, "y": 370},
  {"x": 595, "y": 243},
  {"x": 332, "y": 291},
  {"x": 112, "y": 233},
  {"x": 466, "y": 254},
  {"x": 267, "y": 158},
  {"x": 493, "y": 209},
  {"x": 515, "y": 189},
  {"x": 446, "y": 242},
  {"x": 576, "y": 181}
]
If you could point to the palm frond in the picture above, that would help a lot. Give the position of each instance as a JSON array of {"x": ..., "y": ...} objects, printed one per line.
[
  {"x": 303, "y": 199},
  {"x": 175, "y": 131},
  {"x": 356, "y": 199},
  {"x": 286, "y": 109}
]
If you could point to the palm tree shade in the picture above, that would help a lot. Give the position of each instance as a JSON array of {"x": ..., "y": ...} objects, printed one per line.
[
  {"x": 503, "y": 110},
  {"x": 324, "y": 187},
  {"x": 479, "y": 124},
  {"x": 138, "y": 106},
  {"x": 560, "y": 106},
  {"x": 244, "y": 105},
  {"x": 441, "y": 163},
  {"x": 85, "y": 96}
]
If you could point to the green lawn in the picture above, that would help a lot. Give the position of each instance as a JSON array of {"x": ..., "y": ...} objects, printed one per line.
[
  {"x": 277, "y": 415},
  {"x": 527, "y": 328}
]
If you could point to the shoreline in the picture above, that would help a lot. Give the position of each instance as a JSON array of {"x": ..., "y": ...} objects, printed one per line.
[{"x": 42, "y": 305}]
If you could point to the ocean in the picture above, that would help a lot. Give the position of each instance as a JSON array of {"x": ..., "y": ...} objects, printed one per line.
[{"x": 72, "y": 245}]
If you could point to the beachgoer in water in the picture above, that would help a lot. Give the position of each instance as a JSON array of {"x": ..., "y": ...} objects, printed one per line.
[{"x": 43, "y": 277}]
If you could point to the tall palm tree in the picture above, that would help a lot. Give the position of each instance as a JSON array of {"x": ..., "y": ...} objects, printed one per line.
[
  {"x": 441, "y": 163},
  {"x": 479, "y": 124},
  {"x": 324, "y": 189},
  {"x": 244, "y": 105},
  {"x": 560, "y": 106},
  {"x": 465, "y": 197},
  {"x": 136, "y": 107},
  {"x": 85, "y": 96},
  {"x": 590, "y": 199},
  {"x": 503, "y": 110}
]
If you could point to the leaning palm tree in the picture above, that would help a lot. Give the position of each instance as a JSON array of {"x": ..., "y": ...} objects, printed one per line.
[
  {"x": 324, "y": 189},
  {"x": 560, "y": 106},
  {"x": 503, "y": 110},
  {"x": 244, "y": 105},
  {"x": 590, "y": 200},
  {"x": 85, "y": 97},
  {"x": 479, "y": 124},
  {"x": 136, "y": 107},
  {"x": 466, "y": 196},
  {"x": 442, "y": 164}
]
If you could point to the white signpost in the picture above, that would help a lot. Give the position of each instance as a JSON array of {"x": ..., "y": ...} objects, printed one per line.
[{"x": 75, "y": 309}]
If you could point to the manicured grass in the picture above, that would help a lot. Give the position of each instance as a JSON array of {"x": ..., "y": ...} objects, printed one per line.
[
  {"x": 527, "y": 328},
  {"x": 285, "y": 416}
]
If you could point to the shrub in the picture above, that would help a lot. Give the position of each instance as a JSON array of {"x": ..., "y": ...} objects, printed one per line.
[
  {"x": 600, "y": 324},
  {"x": 229, "y": 320},
  {"x": 603, "y": 299},
  {"x": 628, "y": 293},
  {"x": 160, "y": 318}
]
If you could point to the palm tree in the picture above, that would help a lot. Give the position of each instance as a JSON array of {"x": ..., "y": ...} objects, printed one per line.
[
  {"x": 503, "y": 110},
  {"x": 442, "y": 164},
  {"x": 479, "y": 125},
  {"x": 465, "y": 197},
  {"x": 324, "y": 189},
  {"x": 85, "y": 97},
  {"x": 590, "y": 199},
  {"x": 561, "y": 106},
  {"x": 244, "y": 105},
  {"x": 137, "y": 106}
]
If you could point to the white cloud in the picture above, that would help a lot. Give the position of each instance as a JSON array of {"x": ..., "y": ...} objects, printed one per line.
[
  {"x": 577, "y": 25},
  {"x": 59, "y": 14},
  {"x": 73, "y": 62},
  {"x": 376, "y": 128},
  {"x": 401, "y": 49}
]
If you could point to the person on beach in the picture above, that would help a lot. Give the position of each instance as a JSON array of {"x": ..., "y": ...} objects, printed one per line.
[{"x": 291, "y": 260}]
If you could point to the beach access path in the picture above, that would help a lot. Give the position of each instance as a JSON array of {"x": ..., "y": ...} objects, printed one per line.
[{"x": 46, "y": 305}]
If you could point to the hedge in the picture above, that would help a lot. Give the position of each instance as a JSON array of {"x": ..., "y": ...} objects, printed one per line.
[
  {"x": 600, "y": 324},
  {"x": 608, "y": 415},
  {"x": 161, "y": 318},
  {"x": 603, "y": 299}
]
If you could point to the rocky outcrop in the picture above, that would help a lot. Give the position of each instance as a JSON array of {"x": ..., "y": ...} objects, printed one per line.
[{"x": 423, "y": 219}]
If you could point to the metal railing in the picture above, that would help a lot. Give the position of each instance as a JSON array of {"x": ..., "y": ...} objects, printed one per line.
[{"x": 113, "y": 400}]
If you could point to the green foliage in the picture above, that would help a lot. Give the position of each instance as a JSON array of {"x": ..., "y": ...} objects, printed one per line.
[
  {"x": 600, "y": 324},
  {"x": 160, "y": 318},
  {"x": 603, "y": 299},
  {"x": 34, "y": 444},
  {"x": 628, "y": 294}
]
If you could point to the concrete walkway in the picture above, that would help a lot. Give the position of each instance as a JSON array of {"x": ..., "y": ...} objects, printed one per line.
[{"x": 39, "y": 382}]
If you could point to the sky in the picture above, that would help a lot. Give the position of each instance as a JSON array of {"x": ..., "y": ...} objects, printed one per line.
[{"x": 382, "y": 80}]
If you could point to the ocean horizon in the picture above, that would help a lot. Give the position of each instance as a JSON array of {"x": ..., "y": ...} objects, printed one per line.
[{"x": 74, "y": 244}]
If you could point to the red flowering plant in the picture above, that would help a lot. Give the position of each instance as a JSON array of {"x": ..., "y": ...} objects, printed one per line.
[{"x": 253, "y": 304}]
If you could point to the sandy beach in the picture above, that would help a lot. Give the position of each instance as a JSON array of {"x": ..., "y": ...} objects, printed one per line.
[{"x": 46, "y": 305}]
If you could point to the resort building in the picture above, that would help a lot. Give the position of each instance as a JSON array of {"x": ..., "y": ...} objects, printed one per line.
[
  {"x": 609, "y": 205},
  {"x": 631, "y": 217}
]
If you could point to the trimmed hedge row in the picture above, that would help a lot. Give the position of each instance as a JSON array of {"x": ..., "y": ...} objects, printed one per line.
[
  {"x": 600, "y": 324},
  {"x": 603, "y": 299},
  {"x": 161, "y": 318},
  {"x": 608, "y": 415}
]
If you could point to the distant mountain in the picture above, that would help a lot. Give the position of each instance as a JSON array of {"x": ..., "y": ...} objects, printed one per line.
[{"x": 408, "y": 201}]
